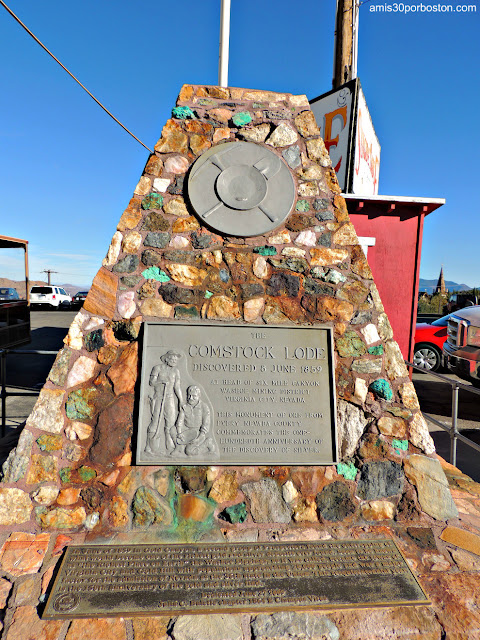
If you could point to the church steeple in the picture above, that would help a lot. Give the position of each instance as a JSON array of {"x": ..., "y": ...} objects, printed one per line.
[{"x": 441, "y": 288}]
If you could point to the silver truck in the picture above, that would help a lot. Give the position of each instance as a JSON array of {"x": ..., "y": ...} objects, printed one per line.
[{"x": 461, "y": 350}]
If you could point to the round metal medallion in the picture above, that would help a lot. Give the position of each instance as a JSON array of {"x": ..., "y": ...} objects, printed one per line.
[
  {"x": 241, "y": 189},
  {"x": 65, "y": 602}
]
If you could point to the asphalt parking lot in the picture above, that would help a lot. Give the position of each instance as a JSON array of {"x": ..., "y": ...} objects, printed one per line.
[{"x": 29, "y": 372}]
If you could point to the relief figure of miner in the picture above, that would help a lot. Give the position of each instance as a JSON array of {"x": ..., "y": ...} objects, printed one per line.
[
  {"x": 192, "y": 435},
  {"x": 165, "y": 380}
]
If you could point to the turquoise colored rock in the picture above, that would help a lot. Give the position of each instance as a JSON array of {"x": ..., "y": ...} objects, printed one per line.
[
  {"x": 152, "y": 201},
  {"x": 302, "y": 205},
  {"x": 400, "y": 445},
  {"x": 86, "y": 474},
  {"x": 242, "y": 118},
  {"x": 154, "y": 273},
  {"x": 347, "y": 469},
  {"x": 236, "y": 514},
  {"x": 265, "y": 251},
  {"x": 183, "y": 113},
  {"x": 382, "y": 389},
  {"x": 376, "y": 351},
  {"x": 208, "y": 294},
  {"x": 79, "y": 405}
]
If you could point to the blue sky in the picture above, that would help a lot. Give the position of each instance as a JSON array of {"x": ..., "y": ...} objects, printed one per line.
[{"x": 67, "y": 171}]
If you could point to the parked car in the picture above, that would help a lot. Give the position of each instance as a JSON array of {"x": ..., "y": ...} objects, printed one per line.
[
  {"x": 8, "y": 293},
  {"x": 462, "y": 347},
  {"x": 51, "y": 296},
  {"x": 79, "y": 298},
  {"x": 429, "y": 339}
]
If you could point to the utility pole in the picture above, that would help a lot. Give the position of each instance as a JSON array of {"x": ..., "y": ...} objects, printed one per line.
[
  {"x": 48, "y": 272},
  {"x": 346, "y": 42}
]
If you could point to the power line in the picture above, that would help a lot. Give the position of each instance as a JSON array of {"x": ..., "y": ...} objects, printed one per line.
[{"x": 71, "y": 74}]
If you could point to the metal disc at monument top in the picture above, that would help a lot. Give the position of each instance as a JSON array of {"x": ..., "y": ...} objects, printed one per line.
[{"x": 241, "y": 189}]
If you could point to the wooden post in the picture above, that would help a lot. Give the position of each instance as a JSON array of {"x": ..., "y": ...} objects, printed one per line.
[{"x": 346, "y": 38}]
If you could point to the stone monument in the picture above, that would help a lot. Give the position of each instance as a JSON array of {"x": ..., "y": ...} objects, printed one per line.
[{"x": 151, "y": 428}]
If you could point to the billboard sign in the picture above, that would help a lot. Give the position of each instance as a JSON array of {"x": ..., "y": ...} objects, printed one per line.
[{"x": 347, "y": 129}]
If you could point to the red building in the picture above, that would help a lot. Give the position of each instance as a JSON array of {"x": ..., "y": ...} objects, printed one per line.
[{"x": 390, "y": 229}]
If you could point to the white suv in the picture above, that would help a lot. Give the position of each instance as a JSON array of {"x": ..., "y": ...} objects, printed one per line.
[{"x": 50, "y": 295}]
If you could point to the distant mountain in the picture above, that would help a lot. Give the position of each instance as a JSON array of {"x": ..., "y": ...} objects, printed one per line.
[{"x": 430, "y": 285}]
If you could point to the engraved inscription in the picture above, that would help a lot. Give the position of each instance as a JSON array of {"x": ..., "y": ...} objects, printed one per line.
[
  {"x": 150, "y": 578},
  {"x": 236, "y": 395}
]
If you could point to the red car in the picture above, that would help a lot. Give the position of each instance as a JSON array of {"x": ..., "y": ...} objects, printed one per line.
[{"x": 429, "y": 339}]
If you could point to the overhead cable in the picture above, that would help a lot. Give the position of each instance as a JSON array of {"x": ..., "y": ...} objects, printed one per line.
[{"x": 71, "y": 74}]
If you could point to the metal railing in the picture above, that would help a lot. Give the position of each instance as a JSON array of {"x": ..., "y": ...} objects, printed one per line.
[
  {"x": 452, "y": 428},
  {"x": 3, "y": 379}
]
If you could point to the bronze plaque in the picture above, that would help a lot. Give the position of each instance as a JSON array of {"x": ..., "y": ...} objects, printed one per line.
[
  {"x": 130, "y": 580},
  {"x": 236, "y": 395}
]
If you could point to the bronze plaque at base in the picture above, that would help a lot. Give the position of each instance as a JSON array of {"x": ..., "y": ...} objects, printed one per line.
[
  {"x": 96, "y": 581},
  {"x": 236, "y": 395}
]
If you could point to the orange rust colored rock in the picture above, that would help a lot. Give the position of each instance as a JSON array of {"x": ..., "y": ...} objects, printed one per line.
[
  {"x": 68, "y": 496},
  {"x": 331, "y": 309},
  {"x": 102, "y": 297},
  {"x": 60, "y": 543},
  {"x": 173, "y": 139},
  {"x": 182, "y": 225},
  {"x": 341, "y": 211},
  {"x": 23, "y": 553},
  {"x": 199, "y": 144},
  {"x": 47, "y": 576},
  {"x": 222, "y": 133},
  {"x": 131, "y": 216},
  {"x": 195, "y": 126},
  {"x": 186, "y": 93},
  {"x": 26, "y": 625},
  {"x": 309, "y": 482},
  {"x": 150, "y": 628},
  {"x": 213, "y": 92},
  {"x": 194, "y": 508},
  {"x": 119, "y": 512},
  {"x": 359, "y": 264},
  {"x": 461, "y": 538},
  {"x": 154, "y": 165},
  {"x": 123, "y": 373},
  {"x": 98, "y": 629}
]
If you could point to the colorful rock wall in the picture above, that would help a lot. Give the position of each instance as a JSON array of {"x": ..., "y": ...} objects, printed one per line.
[{"x": 72, "y": 470}]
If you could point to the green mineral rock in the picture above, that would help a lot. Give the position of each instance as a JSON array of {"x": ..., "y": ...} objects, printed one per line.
[
  {"x": 400, "y": 445},
  {"x": 242, "y": 118},
  {"x": 350, "y": 345},
  {"x": 382, "y": 389},
  {"x": 376, "y": 351},
  {"x": 347, "y": 469},
  {"x": 66, "y": 474},
  {"x": 265, "y": 251},
  {"x": 86, "y": 473},
  {"x": 79, "y": 405},
  {"x": 154, "y": 273},
  {"x": 152, "y": 201},
  {"x": 302, "y": 205},
  {"x": 236, "y": 514},
  {"x": 183, "y": 113}
]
